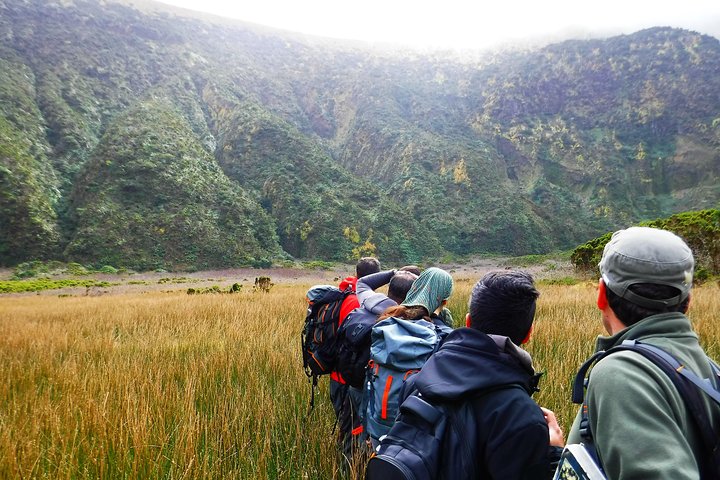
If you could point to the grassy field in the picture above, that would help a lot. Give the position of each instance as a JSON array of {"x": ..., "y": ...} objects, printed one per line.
[{"x": 172, "y": 386}]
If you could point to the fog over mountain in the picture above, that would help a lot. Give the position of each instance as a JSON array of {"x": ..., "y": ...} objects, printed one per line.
[{"x": 462, "y": 25}]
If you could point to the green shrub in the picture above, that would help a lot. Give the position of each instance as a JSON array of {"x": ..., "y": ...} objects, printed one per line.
[
  {"x": 77, "y": 269},
  {"x": 587, "y": 256},
  {"x": 234, "y": 288},
  {"x": 700, "y": 229},
  {"x": 261, "y": 263},
  {"x": 526, "y": 260},
  {"x": 19, "y": 286},
  {"x": 39, "y": 268},
  {"x": 319, "y": 264}
]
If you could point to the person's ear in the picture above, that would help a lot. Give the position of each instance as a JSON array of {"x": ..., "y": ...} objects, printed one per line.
[
  {"x": 467, "y": 320},
  {"x": 602, "y": 302},
  {"x": 527, "y": 337}
]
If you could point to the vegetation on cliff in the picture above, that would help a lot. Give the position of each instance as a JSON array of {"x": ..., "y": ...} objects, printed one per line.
[
  {"x": 147, "y": 139},
  {"x": 699, "y": 229},
  {"x": 152, "y": 197}
]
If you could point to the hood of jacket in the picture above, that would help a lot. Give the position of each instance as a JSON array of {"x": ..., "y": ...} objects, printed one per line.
[
  {"x": 470, "y": 361},
  {"x": 377, "y": 303}
]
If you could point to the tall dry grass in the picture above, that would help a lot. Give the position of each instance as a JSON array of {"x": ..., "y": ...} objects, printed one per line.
[{"x": 166, "y": 385}]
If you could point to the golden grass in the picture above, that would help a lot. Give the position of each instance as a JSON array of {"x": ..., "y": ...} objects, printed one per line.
[{"x": 166, "y": 385}]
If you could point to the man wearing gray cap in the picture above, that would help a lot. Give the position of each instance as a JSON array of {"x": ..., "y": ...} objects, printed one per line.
[{"x": 638, "y": 420}]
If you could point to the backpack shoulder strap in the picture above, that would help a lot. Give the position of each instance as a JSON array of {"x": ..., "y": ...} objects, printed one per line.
[
  {"x": 663, "y": 359},
  {"x": 685, "y": 381},
  {"x": 689, "y": 385},
  {"x": 578, "y": 396},
  {"x": 659, "y": 357}
]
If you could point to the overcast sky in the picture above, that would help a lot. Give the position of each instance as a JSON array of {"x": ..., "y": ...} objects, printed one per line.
[{"x": 464, "y": 24}]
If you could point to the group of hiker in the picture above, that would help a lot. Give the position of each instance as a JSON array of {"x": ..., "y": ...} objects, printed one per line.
[{"x": 417, "y": 398}]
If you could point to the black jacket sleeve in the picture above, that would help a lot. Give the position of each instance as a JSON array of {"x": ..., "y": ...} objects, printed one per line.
[{"x": 517, "y": 442}]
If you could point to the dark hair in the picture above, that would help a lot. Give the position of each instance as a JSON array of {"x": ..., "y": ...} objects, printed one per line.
[
  {"x": 503, "y": 303},
  {"x": 412, "y": 312},
  {"x": 367, "y": 266},
  {"x": 414, "y": 269},
  {"x": 630, "y": 313},
  {"x": 400, "y": 285}
]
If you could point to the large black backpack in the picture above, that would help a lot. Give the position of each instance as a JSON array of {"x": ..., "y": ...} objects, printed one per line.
[
  {"x": 689, "y": 386},
  {"x": 414, "y": 447},
  {"x": 354, "y": 346},
  {"x": 319, "y": 333},
  {"x": 430, "y": 441}
]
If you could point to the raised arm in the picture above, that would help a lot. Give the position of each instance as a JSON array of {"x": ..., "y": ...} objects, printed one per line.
[{"x": 366, "y": 285}]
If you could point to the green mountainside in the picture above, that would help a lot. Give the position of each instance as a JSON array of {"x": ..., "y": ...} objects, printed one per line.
[
  {"x": 150, "y": 139},
  {"x": 699, "y": 229},
  {"x": 151, "y": 195}
]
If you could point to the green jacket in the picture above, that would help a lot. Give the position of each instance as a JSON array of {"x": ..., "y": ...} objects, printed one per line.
[{"x": 640, "y": 425}]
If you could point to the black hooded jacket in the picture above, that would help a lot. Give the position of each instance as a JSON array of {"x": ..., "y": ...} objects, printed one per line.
[{"x": 486, "y": 381}]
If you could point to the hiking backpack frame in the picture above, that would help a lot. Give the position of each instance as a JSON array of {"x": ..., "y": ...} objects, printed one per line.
[{"x": 688, "y": 384}]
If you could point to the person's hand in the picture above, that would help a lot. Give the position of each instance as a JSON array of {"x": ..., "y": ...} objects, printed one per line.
[{"x": 557, "y": 438}]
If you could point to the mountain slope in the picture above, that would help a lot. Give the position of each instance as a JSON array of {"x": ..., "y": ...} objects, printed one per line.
[
  {"x": 327, "y": 151},
  {"x": 151, "y": 197},
  {"x": 28, "y": 184}
]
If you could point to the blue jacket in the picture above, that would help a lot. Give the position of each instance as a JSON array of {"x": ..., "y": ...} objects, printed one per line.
[{"x": 487, "y": 381}]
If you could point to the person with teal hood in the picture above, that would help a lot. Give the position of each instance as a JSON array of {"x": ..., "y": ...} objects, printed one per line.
[
  {"x": 401, "y": 342},
  {"x": 430, "y": 291}
]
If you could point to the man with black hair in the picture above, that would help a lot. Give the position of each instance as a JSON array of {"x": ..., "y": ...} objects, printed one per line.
[
  {"x": 504, "y": 304},
  {"x": 367, "y": 266},
  {"x": 638, "y": 420},
  {"x": 354, "y": 345},
  {"x": 364, "y": 267},
  {"x": 484, "y": 380}
]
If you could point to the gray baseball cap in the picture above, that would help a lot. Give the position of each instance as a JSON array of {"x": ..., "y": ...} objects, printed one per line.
[{"x": 647, "y": 255}]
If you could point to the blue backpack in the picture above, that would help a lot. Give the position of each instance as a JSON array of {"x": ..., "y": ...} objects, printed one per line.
[{"x": 399, "y": 348}]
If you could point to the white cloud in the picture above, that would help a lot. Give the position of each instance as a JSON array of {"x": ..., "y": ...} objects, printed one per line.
[{"x": 463, "y": 24}]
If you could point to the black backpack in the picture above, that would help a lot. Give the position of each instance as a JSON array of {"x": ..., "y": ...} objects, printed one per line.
[
  {"x": 688, "y": 384},
  {"x": 415, "y": 445},
  {"x": 354, "y": 346},
  {"x": 319, "y": 333},
  {"x": 430, "y": 441}
]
